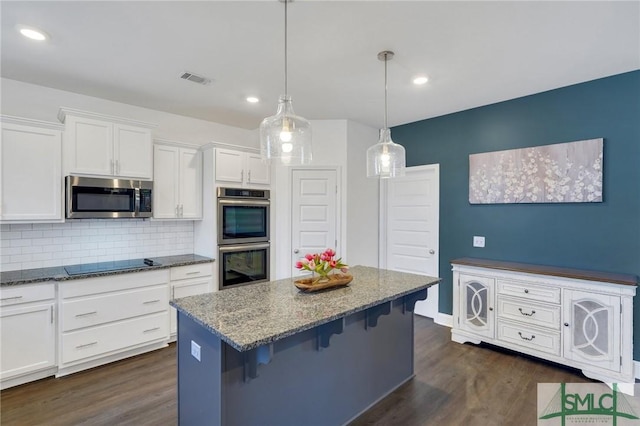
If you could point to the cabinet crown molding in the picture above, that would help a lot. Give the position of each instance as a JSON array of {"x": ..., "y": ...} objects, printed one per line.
[
  {"x": 30, "y": 122},
  {"x": 64, "y": 111},
  {"x": 179, "y": 144}
]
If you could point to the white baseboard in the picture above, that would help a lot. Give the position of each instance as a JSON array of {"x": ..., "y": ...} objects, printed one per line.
[
  {"x": 440, "y": 319},
  {"x": 444, "y": 319}
]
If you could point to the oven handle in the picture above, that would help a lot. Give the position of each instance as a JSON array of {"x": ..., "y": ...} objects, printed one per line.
[
  {"x": 244, "y": 202},
  {"x": 243, "y": 247}
]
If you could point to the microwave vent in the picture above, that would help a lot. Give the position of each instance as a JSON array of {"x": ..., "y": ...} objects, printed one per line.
[{"x": 195, "y": 78}]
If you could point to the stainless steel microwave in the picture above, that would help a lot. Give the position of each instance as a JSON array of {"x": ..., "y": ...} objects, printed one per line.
[{"x": 102, "y": 198}]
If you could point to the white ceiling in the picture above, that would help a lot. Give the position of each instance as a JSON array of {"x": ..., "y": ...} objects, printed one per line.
[{"x": 475, "y": 53}]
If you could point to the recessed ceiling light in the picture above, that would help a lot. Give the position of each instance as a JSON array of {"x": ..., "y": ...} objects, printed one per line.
[
  {"x": 33, "y": 33},
  {"x": 252, "y": 99},
  {"x": 420, "y": 80}
]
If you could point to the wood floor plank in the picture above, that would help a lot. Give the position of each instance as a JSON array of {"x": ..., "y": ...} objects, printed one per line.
[{"x": 454, "y": 385}]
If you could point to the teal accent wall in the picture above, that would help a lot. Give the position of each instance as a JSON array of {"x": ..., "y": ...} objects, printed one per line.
[{"x": 597, "y": 236}]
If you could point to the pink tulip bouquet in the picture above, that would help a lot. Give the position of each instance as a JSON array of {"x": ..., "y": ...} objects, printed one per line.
[{"x": 322, "y": 264}]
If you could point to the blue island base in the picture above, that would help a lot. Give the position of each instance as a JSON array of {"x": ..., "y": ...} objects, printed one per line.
[{"x": 324, "y": 376}]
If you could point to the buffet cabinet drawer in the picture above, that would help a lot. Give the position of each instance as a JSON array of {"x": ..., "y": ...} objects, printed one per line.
[
  {"x": 529, "y": 312},
  {"x": 529, "y": 291},
  {"x": 26, "y": 293},
  {"x": 191, "y": 271},
  {"x": 102, "y": 340},
  {"x": 530, "y": 337},
  {"x": 103, "y": 308},
  {"x": 111, "y": 283}
]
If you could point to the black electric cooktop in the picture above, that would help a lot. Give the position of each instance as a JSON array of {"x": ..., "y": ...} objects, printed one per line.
[{"x": 116, "y": 265}]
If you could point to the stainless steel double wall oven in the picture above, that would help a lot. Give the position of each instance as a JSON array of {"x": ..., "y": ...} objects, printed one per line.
[{"x": 243, "y": 236}]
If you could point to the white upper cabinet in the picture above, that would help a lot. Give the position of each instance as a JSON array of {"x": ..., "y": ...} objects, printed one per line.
[
  {"x": 177, "y": 182},
  {"x": 244, "y": 168},
  {"x": 30, "y": 171},
  {"x": 99, "y": 145}
]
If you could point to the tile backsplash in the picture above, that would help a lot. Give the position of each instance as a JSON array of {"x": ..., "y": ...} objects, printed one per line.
[{"x": 42, "y": 245}]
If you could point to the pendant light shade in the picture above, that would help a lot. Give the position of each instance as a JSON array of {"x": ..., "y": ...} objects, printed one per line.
[
  {"x": 385, "y": 159},
  {"x": 285, "y": 136}
]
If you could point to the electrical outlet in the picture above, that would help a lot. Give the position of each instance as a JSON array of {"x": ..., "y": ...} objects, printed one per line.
[
  {"x": 478, "y": 241},
  {"x": 195, "y": 350}
]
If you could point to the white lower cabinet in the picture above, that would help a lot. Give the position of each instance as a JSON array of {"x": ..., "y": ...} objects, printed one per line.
[
  {"x": 578, "y": 318},
  {"x": 186, "y": 281},
  {"x": 27, "y": 333},
  {"x": 108, "y": 318}
]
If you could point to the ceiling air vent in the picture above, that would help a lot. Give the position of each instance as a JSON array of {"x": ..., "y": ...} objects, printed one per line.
[{"x": 195, "y": 78}]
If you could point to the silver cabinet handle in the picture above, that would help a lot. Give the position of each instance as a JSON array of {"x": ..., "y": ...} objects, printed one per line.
[
  {"x": 241, "y": 175},
  {"x": 113, "y": 171},
  {"x": 86, "y": 314},
  {"x": 249, "y": 177},
  {"x": 148, "y": 302},
  {"x": 10, "y": 298},
  {"x": 177, "y": 210},
  {"x": 151, "y": 330},
  {"x": 117, "y": 167},
  {"x": 181, "y": 210},
  {"x": 192, "y": 273},
  {"x": 86, "y": 345}
]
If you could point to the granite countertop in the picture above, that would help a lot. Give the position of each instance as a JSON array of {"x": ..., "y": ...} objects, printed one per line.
[
  {"x": 250, "y": 316},
  {"x": 27, "y": 276}
]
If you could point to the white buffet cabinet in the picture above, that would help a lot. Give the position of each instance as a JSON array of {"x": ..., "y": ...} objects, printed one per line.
[
  {"x": 108, "y": 318},
  {"x": 582, "y": 319}
]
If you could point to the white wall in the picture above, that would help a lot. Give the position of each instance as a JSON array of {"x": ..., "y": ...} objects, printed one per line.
[
  {"x": 42, "y": 103},
  {"x": 363, "y": 196}
]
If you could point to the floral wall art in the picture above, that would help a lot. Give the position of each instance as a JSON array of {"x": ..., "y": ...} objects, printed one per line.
[{"x": 560, "y": 173}]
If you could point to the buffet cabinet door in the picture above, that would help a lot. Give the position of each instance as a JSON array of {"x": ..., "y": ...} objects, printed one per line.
[
  {"x": 591, "y": 321},
  {"x": 477, "y": 299}
]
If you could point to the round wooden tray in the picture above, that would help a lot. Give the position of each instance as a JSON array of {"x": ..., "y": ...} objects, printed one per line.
[{"x": 313, "y": 284}]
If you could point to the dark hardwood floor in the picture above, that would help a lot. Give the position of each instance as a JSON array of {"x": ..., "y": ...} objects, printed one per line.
[{"x": 454, "y": 385}]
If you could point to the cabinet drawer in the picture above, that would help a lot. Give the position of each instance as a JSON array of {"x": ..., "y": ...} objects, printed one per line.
[
  {"x": 112, "y": 283},
  {"x": 14, "y": 295},
  {"x": 529, "y": 291},
  {"x": 191, "y": 271},
  {"x": 113, "y": 337},
  {"x": 100, "y": 309},
  {"x": 530, "y": 337},
  {"x": 529, "y": 312}
]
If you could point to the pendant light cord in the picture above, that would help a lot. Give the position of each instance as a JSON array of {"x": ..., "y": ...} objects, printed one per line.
[
  {"x": 385, "y": 89},
  {"x": 285, "y": 46}
]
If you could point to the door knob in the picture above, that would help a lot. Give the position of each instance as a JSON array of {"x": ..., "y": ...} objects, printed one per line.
[
  {"x": 432, "y": 251},
  {"x": 296, "y": 251}
]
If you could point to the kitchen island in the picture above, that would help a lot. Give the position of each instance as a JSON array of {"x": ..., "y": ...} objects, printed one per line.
[{"x": 268, "y": 354}]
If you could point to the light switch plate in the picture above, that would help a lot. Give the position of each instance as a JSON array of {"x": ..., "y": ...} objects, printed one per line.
[
  {"x": 195, "y": 350},
  {"x": 478, "y": 241}
]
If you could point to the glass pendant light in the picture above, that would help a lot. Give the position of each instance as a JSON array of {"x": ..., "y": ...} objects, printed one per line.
[
  {"x": 286, "y": 136},
  {"x": 385, "y": 159}
]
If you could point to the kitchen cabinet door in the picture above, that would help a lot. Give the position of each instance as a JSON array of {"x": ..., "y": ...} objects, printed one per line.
[
  {"x": 258, "y": 170},
  {"x": 165, "y": 182},
  {"x": 31, "y": 173},
  {"x": 190, "y": 182},
  {"x": 177, "y": 183},
  {"x": 88, "y": 146},
  {"x": 229, "y": 165},
  {"x": 132, "y": 151}
]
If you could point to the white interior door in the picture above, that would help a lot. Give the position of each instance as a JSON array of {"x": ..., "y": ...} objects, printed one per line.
[
  {"x": 314, "y": 214},
  {"x": 411, "y": 226}
]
